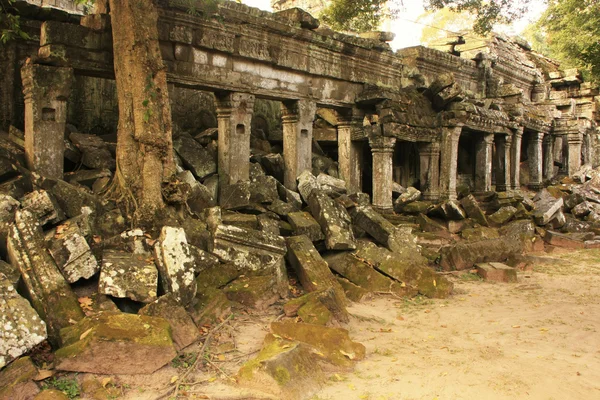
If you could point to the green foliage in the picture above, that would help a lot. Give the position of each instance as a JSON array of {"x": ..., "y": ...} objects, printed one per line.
[
  {"x": 69, "y": 387},
  {"x": 438, "y": 24},
  {"x": 10, "y": 23},
  {"x": 184, "y": 361},
  {"x": 572, "y": 34},
  {"x": 355, "y": 15}
]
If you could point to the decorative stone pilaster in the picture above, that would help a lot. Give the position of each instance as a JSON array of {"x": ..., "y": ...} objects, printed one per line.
[
  {"x": 234, "y": 114},
  {"x": 483, "y": 163},
  {"x": 548, "y": 166},
  {"x": 46, "y": 90},
  {"x": 297, "y": 119},
  {"x": 449, "y": 160},
  {"x": 575, "y": 140},
  {"x": 515, "y": 159},
  {"x": 349, "y": 153},
  {"x": 503, "y": 155},
  {"x": 429, "y": 157},
  {"x": 534, "y": 157},
  {"x": 382, "y": 148}
]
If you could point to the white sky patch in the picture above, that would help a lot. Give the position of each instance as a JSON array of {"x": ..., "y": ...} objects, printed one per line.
[{"x": 408, "y": 32}]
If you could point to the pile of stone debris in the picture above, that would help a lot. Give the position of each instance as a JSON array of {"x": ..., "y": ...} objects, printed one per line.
[{"x": 147, "y": 293}]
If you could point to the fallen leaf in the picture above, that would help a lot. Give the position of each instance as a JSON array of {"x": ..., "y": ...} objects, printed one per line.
[
  {"x": 106, "y": 381},
  {"x": 221, "y": 357},
  {"x": 516, "y": 326},
  {"x": 84, "y": 334},
  {"x": 434, "y": 283},
  {"x": 427, "y": 311},
  {"x": 246, "y": 285},
  {"x": 174, "y": 379},
  {"x": 212, "y": 379},
  {"x": 85, "y": 303},
  {"x": 43, "y": 374},
  {"x": 351, "y": 356}
]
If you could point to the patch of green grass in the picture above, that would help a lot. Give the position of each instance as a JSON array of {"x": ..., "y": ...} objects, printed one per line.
[{"x": 68, "y": 386}]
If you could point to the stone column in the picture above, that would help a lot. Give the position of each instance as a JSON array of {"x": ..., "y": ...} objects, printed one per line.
[
  {"x": 515, "y": 159},
  {"x": 534, "y": 159},
  {"x": 297, "y": 119},
  {"x": 449, "y": 160},
  {"x": 548, "y": 167},
  {"x": 234, "y": 114},
  {"x": 46, "y": 90},
  {"x": 483, "y": 163},
  {"x": 349, "y": 157},
  {"x": 429, "y": 169},
  {"x": 503, "y": 155},
  {"x": 575, "y": 140},
  {"x": 382, "y": 148}
]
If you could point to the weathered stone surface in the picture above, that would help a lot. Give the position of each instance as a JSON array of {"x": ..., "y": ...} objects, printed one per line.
[
  {"x": 10, "y": 272},
  {"x": 194, "y": 156},
  {"x": 407, "y": 197},
  {"x": 51, "y": 394},
  {"x": 353, "y": 292},
  {"x": 312, "y": 271},
  {"x": 429, "y": 225},
  {"x": 582, "y": 209},
  {"x": 16, "y": 380},
  {"x": 415, "y": 207},
  {"x": 304, "y": 224},
  {"x": 464, "y": 255},
  {"x": 480, "y": 233},
  {"x": 334, "y": 221},
  {"x": 116, "y": 343},
  {"x": 175, "y": 264},
  {"x": 43, "y": 207},
  {"x": 72, "y": 253},
  {"x": 496, "y": 272},
  {"x": 331, "y": 185},
  {"x": 127, "y": 275},
  {"x": 289, "y": 196},
  {"x": 269, "y": 223},
  {"x": 263, "y": 189},
  {"x": 282, "y": 208},
  {"x": 253, "y": 291},
  {"x": 379, "y": 228},
  {"x": 94, "y": 151},
  {"x": 246, "y": 221},
  {"x": 50, "y": 294},
  {"x": 199, "y": 196},
  {"x": 471, "y": 206},
  {"x": 568, "y": 241},
  {"x": 521, "y": 228},
  {"x": 298, "y": 16},
  {"x": 22, "y": 327},
  {"x": 546, "y": 208},
  {"x": 503, "y": 215},
  {"x": 87, "y": 177},
  {"x": 211, "y": 306},
  {"x": 183, "y": 328},
  {"x": 236, "y": 196},
  {"x": 71, "y": 198},
  {"x": 307, "y": 183}
]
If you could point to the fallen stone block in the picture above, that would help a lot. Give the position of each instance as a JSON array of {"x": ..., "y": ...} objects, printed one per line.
[
  {"x": 582, "y": 209},
  {"x": 480, "y": 233},
  {"x": 334, "y": 221},
  {"x": 175, "y": 264},
  {"x": 263, "y": 189},
  {"x": 43, "y": 207},
  {"x": 72, "y": 253},
  {"x": 246, "y": 221},
  {"x": 211, "y": 307},
  {"x": 464, "y": 255},
  {"x": 304, "y": 224},
  {"x": 235, "y": 196},
  {"x": 199, "y": 197},
  {"x": 317, "y": 307},
  {"x": 282, "y": 208},
  {"x": 258, "y": 292},
  {"x": 289, "y": 196},
  {"x": 546, "y": 208},
  {"x": 194, "y": 156},
  {"x": 50, "y": 294},
  {"x": 331, "y": 185},
  {"x": 269, "y": 223},
  {"x": 116, "y": 343},
  {"x": 415, "y": 207},
  {"x": 496, "y": 272},
  {"x": 473, "y": 210},
  {"x": 183, "y": 328},
  {"x": 95, "y": 153},
  {"x": 411, "y": 195},
  {"x": 22, "y": 327},
  {"x": 353, "y": 292},
  {"x": 429, "y": 225},
  {"x": 307, "y": 183},
  {"x": 16, "y": 380},
  {"x": 127, "y": 275},
  {"x": 563, "y": 240},
  {"x": 379, "y": 228},
  {"x": 503, "y": 215},
  {"x": 87, "y": 177},
  {"x": 74, "y": 200},
  {"x": 558, "y": 221}
]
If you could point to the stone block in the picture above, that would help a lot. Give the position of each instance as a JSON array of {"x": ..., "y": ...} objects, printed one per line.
[
  {"x": 429, "y": 225},
  {"x": 480, "y": 233},
  {"x": 199, "y": 197},
  {"x": 407, "y": 197},
  {"x": 258, "y": 292},
  {"x": 269, "y": 223},
  {"x": 379, "y": 228},
  {"x": 16, "y": 380},
  {"x": 235, "y": 196},
  {"x": 74, "y": 200},
  {"x": 334, "y": 221},
  {"x": 353, "y": 292},
  {"x": 331, "y": 185},
  {"x": 304, "y": 224},
  {"x": 464, "y": 255},
  {"x": 211, "y": 307},
  {"x": 247, "y": 221},
  {"x": 416, "y": 207},
  {"x": 127, "y": 275},
  {"x": 282, "y": 208},
  {"x": 43, "y": 206},
  {"x": 307, "y": 183},
  {"x": 194, "y": 156},
  {"x": 546, "y": 208},
  {"x": 263, "y": 189},
  {"x": 175, "y": 264},
  {"x": 502, "y": 216},
  {"x": 473, "y": 210},
  {"x": 298, "y": 16},
  {"x": 582, "y": 209},
  {"x": 567, "y": 241},
  {"x": 116, "y": 343},
  {"x": 22, "y": 327},
  {"x": 496, "y": 272},
  {"x": 183, "y": 327},
  {"x": 95, "y": 153}
]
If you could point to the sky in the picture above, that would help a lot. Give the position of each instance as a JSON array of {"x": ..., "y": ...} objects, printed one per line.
[{"x": 408, "y": 33}]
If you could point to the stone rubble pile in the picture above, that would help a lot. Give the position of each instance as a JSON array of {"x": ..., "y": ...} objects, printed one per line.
[{"x": 158, "y": 288}]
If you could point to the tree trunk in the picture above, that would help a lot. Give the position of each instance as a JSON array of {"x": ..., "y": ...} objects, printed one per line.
[{"x": 144, "y": 142}]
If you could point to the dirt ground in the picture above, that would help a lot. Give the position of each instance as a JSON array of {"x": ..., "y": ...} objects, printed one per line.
[{"x": 535, "y": 339}]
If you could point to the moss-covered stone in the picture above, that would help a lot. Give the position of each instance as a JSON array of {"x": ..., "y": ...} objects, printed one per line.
[
  {"x": 352, "y": 291},
  {"x": 216, "y": 276},
  {"x": 480, "y": 233},
  {"x": 116, "y": 343},
  {"x": 314, "y": 312},
  {"x": 51, "y": 394},
  {"x": 211, "y": 306},
  {"x": 17, "y": 380},
  {"x": 253, "y": 291}
]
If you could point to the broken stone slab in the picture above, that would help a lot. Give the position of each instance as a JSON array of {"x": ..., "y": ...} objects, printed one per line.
[
  {"x": 127, "y": 275},
  {"x": 50, "y": 294},
  {"x": 72, "y": 253},
  {"x": 235, "y": 196},
  {"x": 258, "y": 292},
  {"x": 22, "y": 327},
  {"x": 304, "y": 224},
  {"x": 307, "y": 183},
  {"x": 282, "y": 208},
  {"x": 480, "y": 233},
  {"x": 503, "y": 215},
  {"x": 269, "y": 222},
  {"x": 558, "y": 221},
  {"x": 582, "y": 209},
  {"x": 43, "y": 206},
  {"x": 87, "y": 177},
  {"x": 95, "y": 153},
  {"x": 211, "y": 307},
  {"x": 273, "y": 165},
  {"x": 379, "y": 228},
  {"x": 175, "y": 264},
  {"x": 572, "y": 200},
  {"x": 464, "y": 255},
  {"x": 415, "y": 207},
  {"x": 353, "y": 292},
  {"x": 473, "y": 210},
  {"x": 247, "y": 221},
  {"x": 397, "y": 189},
  {"x": 16, "y": 380},
  {"x": 263, "y": 189},
  {"x": 194, "y": 156},
  {"x": 316, "y": 307},
  {"x": 116, "y": 343},
  {"x": 312, "y": 271},
  {"x": 256, "y": 170},
  {"x": 365, "y": 276},
  {"x": 429, "y": 225},
  {"x": 334, "y": 221},
  {"x": 448, "y": 210},
  {"x": 334, "y": 343},
  {"x": 546, "y": 208},
  {"x": 331, "y": 185},
  {"x": 10, "y": 272},
  {"x": 183, "y": 328},
  {"x": 16, "y": 187},
  {"x": 199, "y": 197},
  {"x": 496, "y": 272},
  {"x": 521, "y": 228},
  {"x": 407, "y": 197},
  {"x": 285, "y": 369},
  {"x": 567, "y": 241},
  {"x": 71, "y": 198}
]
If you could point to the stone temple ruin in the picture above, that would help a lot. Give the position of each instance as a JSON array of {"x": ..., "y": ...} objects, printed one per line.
[{"x": 358, "y": 167}]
